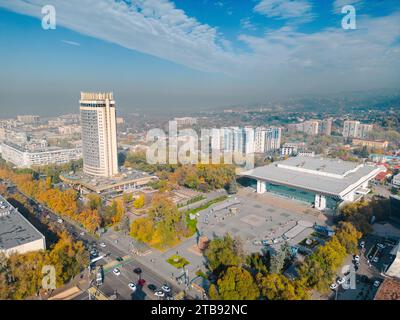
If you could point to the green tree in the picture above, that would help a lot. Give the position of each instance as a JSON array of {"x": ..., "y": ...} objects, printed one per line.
[
  {"x": 235, "y": 284},
  {"x": 348, "y": 236},
  {"x": 278, "y": 287},
  {"x": 224, "y": 252},
  {"x": 139, "y": 202}
]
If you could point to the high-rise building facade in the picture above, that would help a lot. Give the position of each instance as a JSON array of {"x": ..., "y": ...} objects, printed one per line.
[
  {"x": 99, "y": 134},
  {"x": 267, "y": 139},
  {"x": 355, "y": 129}
]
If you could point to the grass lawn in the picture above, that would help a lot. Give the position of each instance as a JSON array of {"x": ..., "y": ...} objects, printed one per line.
[{"x": 177, "y": 261}]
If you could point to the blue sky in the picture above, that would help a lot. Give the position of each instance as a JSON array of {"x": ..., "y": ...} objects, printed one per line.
[{"x": 161, "y": 55}]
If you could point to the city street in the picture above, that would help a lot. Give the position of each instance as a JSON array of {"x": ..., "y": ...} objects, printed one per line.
[{"x": 113, "y": 251}]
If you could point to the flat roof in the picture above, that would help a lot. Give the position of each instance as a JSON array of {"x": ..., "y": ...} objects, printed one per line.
[
  {"x": 125, "y": 176},
  {"x": 326, "y": 176},
  {"x": 15, "y": 230}
]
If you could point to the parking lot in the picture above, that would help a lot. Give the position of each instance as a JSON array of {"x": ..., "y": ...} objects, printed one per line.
[{"x": 375, "y": 258}]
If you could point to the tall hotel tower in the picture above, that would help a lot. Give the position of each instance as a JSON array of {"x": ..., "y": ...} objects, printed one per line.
[{"x": 99, "y": 134}]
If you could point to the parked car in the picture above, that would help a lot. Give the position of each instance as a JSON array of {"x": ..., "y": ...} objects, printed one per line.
[
  {"x": 119, "y": 259},
  {"x": 138, "y": 271},
  {"x": 381, "y": 246},
  {"x": 117, "y": 272},
  {"x": 103, "y": 245},
  {"x": 356, "y": 258},
  {"x": 340, "y": 281},
  {"x": 376, "y": 260},
  {"x": 362, "y": 244},
  {"x": 377, "y": 283}
]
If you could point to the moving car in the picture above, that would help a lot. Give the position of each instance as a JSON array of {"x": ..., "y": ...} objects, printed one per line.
[
  {"x": 141, "y": 282},
  {"x": 103, "y": 245},
  {"x": 138, "y": 271},
  {"x": 117, "y": 272},
  {"x": 159, "y": 294},
  {"x": 119, "y": 259},
  {"x": 59, "y": 221},
  {"x": 152, "y": 287},
  {"x": 166, "y": 289}
]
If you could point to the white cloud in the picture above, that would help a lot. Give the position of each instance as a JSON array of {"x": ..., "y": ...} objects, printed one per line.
[
  {"x": 246, "y": 24},
  {"x": 335, "y": 56},
  {"x": 285, "y": 59},
  {"x": 72, "y": 43},
  {"x": 155, "y": 27},
  {"x": 285, "y": 9}
]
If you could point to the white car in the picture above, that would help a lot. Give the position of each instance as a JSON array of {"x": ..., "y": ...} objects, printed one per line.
[
  {"x": 340, "y": 281},
  {"x": 357, "y": 258},
  {"x": 381, "y": 246},
  {"x": 333, "y": 286},
  {"x": 362, "y": 244},
  {"x": 132, "y": 286},
  {"x": 377, "y": 283},
  {"x": 117, "y": 272},
  {"x": 376, "y": 260},
  {"x": 59, "y": 221},
  {"x": 166, "y": 289},
  {"x": 159, "y": 294},
  {"x": 103, "y": 245},
  {"x": 82, "y": 234}
]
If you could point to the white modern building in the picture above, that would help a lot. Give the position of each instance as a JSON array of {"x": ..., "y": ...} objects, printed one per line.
[
  {"x": 355, "y": 129},
  {"x": 267, "y": 139},
  {"x": 186, "y": 121},
  {"x": 23, "y": 157},
  {"x": 99, "y": 134},
  {"x": 28, "y": 119},
  {"x": 325, "y": 183},
  {"x": 17, "y": 235},
  {"x": 246, "y": 140}
]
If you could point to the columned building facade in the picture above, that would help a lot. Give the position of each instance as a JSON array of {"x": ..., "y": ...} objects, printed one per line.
[{"x": 99, "y": 134}]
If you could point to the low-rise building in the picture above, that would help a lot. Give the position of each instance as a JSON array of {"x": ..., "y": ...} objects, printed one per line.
[
  {"x": 324, "y": 183},
  {"x": 26, "y": 158},
  {"x": 374, "y": 144},
  {"x": 127, "y": 180},
  {"x": 388, "y": 290},
  {"x": 17, "y": 235}
]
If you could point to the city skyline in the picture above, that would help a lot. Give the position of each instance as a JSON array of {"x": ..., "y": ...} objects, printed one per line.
[{"x": 217, "y": 53}]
